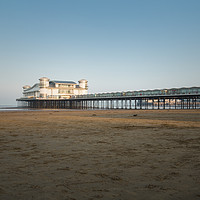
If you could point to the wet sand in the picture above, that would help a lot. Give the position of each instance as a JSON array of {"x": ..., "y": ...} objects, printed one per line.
[{"x": 117, "y": 155}]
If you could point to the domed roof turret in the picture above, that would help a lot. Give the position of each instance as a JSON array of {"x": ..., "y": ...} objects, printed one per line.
[
  {"x": 44, "y": 78},
  {"x": 82, "y": 80}
]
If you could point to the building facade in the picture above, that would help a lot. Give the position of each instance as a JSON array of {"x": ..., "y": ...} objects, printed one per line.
[{"x": 52, "y": 89}]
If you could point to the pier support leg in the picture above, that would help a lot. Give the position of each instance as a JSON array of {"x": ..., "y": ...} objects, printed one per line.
[
  {"x": 175, "y": 103},
  {"x": 140, "y": 104},
  {"x": 152, "y": 103},
  {"x": 117, "y": 104},
  {"x": 164, "y": 103},
  {"x": 135, "y": 104},
  {"x": 195, "y": 103}
]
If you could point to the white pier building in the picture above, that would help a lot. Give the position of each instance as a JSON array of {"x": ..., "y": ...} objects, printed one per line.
[{"x": 52, "y": 89}]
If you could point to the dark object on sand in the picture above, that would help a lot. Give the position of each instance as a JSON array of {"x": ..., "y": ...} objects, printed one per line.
[{"x": 135, "y": 115}]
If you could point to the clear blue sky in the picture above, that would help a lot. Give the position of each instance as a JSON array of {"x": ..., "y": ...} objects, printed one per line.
[{"x": 117, "y": 45}]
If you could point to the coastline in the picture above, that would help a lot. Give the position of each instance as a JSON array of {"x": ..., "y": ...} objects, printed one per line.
[{"x": 100, "y": 154}]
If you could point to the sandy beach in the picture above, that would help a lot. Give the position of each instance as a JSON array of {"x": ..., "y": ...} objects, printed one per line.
[{"x": 104, "y": 154}]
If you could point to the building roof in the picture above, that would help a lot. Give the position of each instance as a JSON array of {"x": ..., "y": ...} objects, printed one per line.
[
  {"x": 68, "y": 82},
  {"x": 35, "y": 87}
]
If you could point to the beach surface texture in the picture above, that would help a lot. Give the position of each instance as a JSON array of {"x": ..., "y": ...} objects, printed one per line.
[{"x": 104, "y": 154}]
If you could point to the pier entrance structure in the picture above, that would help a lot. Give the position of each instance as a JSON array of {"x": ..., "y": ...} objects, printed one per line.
[{"x": 175, "y": 98}]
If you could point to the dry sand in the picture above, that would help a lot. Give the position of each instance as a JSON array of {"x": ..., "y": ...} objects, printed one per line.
[{"x": 117, "y": 155}]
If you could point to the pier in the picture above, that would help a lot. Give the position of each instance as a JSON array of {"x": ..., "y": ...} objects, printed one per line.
[
  {"x": 51, "y": 94},
  {"x": 182, "y": 101}
]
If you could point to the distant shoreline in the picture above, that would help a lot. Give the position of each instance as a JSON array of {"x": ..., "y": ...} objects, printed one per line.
[
  {"x": 21, "y": 109},
  {"x": 9, "y": 107}
]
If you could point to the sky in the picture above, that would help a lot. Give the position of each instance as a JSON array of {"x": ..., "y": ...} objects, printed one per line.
[{"x": 117, "y": 45}]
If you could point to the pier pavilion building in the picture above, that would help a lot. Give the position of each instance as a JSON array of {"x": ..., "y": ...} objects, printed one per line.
[
  {"x": 70, "y": 95},
  {"x": 53, "y": 89}
]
